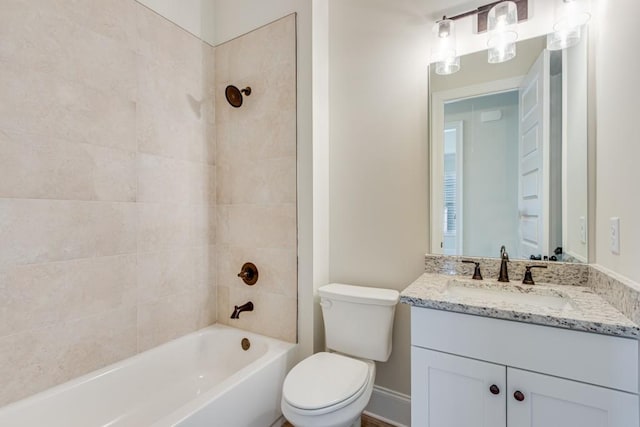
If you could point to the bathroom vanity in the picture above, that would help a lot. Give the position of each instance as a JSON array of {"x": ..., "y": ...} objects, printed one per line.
[{"x": 488, "y": 354}]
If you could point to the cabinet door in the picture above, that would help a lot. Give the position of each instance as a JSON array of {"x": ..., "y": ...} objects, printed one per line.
[
  {"x": 453, "y": 391},
  {"x": 554, "y": 402}
]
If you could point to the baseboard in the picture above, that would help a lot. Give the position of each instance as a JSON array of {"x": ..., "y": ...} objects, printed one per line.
[
  {"x": 279, "y": 422},
  {"x": 390, "y": 406}
]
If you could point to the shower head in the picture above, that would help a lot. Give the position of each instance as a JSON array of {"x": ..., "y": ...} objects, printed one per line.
[{"x": 234, "y": 95}]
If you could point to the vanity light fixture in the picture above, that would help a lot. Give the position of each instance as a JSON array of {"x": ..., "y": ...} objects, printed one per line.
[
  {"x": 498, "y": 17},
  {"x": 501, "y": 23},
  {"x": 444, "y": 52},
  {"x": 572, "y": 15}
]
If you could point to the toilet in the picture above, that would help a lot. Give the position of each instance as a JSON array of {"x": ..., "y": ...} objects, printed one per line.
[{"x": 331, "y": 389}]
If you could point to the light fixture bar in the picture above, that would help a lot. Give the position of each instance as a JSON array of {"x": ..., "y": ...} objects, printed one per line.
[
  {"x": 483, "y": 11},
  {"x": 475, "y": 11}
]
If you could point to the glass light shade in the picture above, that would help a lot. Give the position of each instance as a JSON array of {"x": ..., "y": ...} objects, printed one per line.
[
  {"x": 500, "y": 49},
  {"x": 501, "y": 23},
  {"x": 448, "y": 67},
  {"x": 563, "y": 39},
  {"x": 502, "y": 17},
  {"x": 572, "y": 15},
  {"x": 444, "y": 52}
]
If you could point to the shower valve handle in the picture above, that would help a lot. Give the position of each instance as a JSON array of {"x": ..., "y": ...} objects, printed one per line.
[{"x": 249, "y": 273}]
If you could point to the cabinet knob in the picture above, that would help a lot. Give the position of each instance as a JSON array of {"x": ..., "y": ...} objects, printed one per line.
[
  {"x": 494, "y": 389},
  {"x": 518, "y": 395}
]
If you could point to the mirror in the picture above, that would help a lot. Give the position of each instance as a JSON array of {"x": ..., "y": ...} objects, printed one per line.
[{"x": 509, "y": 155}]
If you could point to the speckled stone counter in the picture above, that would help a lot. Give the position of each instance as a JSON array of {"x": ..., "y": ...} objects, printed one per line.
[{"x": 571, "y": 307}]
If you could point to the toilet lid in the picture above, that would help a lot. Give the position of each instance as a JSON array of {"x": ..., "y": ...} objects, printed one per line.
[{"x": 324, "y": 379}]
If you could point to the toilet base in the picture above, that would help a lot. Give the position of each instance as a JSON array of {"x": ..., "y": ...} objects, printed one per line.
[{"x": 356, "y": 423}]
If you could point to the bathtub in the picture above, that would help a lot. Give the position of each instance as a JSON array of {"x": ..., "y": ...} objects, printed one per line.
[{"x": 202, "y": 379}]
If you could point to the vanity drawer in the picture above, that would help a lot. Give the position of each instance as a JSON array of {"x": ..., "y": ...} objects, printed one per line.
[{"x": 592, "y": 358}]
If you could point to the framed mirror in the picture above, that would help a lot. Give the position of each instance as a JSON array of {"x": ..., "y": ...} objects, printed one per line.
[{"x": 509, "y": 155}]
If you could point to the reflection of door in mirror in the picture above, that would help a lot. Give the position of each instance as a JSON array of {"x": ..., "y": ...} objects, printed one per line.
[
  {"x": 452, "y": 189},
  {"x": 533, "y": 161}
]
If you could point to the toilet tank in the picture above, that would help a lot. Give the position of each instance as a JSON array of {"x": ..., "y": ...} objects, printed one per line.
[{"x": 358, "y": 320}]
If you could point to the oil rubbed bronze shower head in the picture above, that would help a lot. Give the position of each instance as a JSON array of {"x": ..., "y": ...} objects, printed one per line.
[{"x": 234, "y": 95}]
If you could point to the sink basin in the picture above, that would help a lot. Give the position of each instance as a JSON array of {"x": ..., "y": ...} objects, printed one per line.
[{"x": 510, "y": 293}]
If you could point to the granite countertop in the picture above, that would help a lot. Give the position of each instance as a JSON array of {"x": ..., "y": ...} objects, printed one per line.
[{"x": 571, "y": 307}]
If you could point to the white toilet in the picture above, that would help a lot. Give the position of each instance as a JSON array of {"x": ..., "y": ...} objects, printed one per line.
[{"x": 332, "y": 389}]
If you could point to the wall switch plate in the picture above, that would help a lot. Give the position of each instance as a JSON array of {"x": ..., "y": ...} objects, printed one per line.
[
  {"x": 614, "y": 235},
  {"x": 583, "y": 229}
]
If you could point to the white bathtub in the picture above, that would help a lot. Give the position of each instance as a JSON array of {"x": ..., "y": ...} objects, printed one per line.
[{"x": 202, "y": 379}]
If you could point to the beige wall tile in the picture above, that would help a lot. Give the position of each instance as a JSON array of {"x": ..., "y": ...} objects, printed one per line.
[
  {"x": 257, "y": 226},
  {"x": 273, "y": 315},
  {"x": 167, "y": 318},
  {"x": 263, "y": 49},
  {"x": 107, "y": 189},
  {"x": 165, "y": 180},
  {"x": 65, "y": 109},
  {"x": 35, "y": 231},
  {"x": 224, "y": 306},
  {"x": 273, "y": 91},
  {"x": 165, "y": 273},
  {"x": 37, "y": 166},
  {"x": 257, "y": 181},
  {"x": 162, "y": 226},
  {"x": 277, "y": 268},
  {"x": 35, "y": 360},
  {"x": 175, "y": 50},
  {"x": 270, "y": 136},
  {"x": 173, "y": 112},
  {"x": 51, "y": 36},
  {"x": 38, "y": 295}
]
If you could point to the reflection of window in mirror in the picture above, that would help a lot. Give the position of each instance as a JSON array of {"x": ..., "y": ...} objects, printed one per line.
[{"x": 452, "y": 190}]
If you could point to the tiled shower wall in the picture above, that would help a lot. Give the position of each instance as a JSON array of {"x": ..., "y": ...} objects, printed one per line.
[
  {"x": 107, "y": 187},
  {"x": 256, "y": 176}
]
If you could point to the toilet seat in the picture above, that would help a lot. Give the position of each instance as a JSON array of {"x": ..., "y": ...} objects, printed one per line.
[{"x": 325, "y": 382}]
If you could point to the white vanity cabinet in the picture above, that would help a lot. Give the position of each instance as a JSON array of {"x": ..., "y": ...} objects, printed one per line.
[
  {"x": 556, "y": 402},
  {"x": 473, "y": 371},
  {"x": 454, "y": 391}
]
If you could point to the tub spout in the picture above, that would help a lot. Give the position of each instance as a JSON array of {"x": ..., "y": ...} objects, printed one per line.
[{"x": 239, "y": 309}]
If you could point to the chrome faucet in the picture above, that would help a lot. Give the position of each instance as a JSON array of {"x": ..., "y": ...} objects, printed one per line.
[
  {"x": 239, "y": 309},
  {"x": 504, "y": 257}
]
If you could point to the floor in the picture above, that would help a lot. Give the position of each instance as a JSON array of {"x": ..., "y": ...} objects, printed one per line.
[{"x": 367, "y": 421}]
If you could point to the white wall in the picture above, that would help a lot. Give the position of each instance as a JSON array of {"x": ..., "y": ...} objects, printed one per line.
[
  {"x": 618, "y": 145},
  {"x": 321, "y": 199},
  {"x": 576, "y": 149},
  {"x": 378, "y": 153}
]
